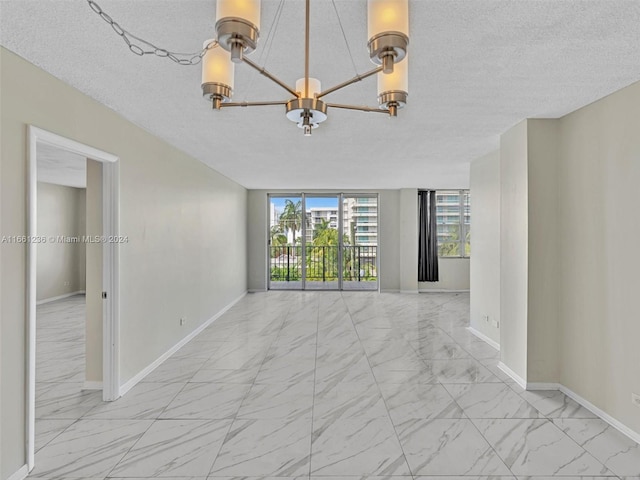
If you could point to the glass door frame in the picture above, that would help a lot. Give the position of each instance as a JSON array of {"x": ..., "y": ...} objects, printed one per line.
[
  {"x": 344, "y": 195},
  {"x": 340, "y": 196},
  {"x": 286, "y": 195}
]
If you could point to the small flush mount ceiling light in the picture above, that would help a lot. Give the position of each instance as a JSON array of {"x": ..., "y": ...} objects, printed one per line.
[{"x": 238, "y": 30}]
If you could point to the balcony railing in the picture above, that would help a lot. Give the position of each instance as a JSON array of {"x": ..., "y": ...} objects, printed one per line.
[{"x": 359, "y": 263}]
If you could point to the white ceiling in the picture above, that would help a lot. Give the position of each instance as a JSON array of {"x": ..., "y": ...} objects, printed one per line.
[
  {"x": 477, "y": 68},
  {"x": 60, "y": 167}
]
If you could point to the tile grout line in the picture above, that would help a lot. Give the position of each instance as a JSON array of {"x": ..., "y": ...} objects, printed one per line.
[
  {"x": 315, "y": 375},
  {"x": 235, "y": 417},
  {"x": 404, "y": 455}
]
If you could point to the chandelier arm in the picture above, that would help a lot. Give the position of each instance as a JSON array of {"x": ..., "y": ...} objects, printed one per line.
[
  {"x": 351, "y": 81},
  {"x": 270, "y": 76},
  {"x": 254, "y": 104},
  {"x": 357, "y": 107}
]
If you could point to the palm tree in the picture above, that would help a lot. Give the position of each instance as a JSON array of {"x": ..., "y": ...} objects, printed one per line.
[
  {"x": 291, "y": 217},
  {"x": 277, "y": 239},
  {"x": 320, "y": 228}
]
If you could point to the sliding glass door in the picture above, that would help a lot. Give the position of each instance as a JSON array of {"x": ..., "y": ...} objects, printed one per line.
[
  {"x": 286, "y": 220},
  {"x": 323, "y": 242},
  {"x": 360, "y": 242}
]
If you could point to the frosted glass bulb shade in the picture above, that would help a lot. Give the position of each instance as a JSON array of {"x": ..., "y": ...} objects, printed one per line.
[
  {"x": 314, "y": 87},
  {"x": 388, "y": 16},
  {"x": 398, "y": 81},
  {"x": 217, "y": 66},
  {"x": 248, "y": 10}
]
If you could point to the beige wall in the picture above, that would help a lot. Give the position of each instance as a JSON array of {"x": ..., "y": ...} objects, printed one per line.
[
  {"x": 408, "y": 240},
  {"x": 598, "y": 232},
  {"x": 60, "y": 265},
  {"x": 453, "y": 274},
  {"x": 186, "y": 255},
  {"x": 569, "y": 269},
  {"x": 93, "y": 323},
  {"x": 485, "y": 245},
  {"x": 529, "y": 252},
  {"x": 543, "y": 271},
  {"x": 390, "y": 215},
  {"x": 514, "y": 210}
]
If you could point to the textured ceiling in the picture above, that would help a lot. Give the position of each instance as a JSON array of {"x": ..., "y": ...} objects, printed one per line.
[
  {"x": 60, "y": 167},
  {"x": 477, "y": 68}
]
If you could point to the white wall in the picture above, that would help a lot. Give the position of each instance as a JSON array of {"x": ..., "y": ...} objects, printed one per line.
[
  {"x": 514, "y": 211},
  {"x": 598, "y": 232},
  {"x": 485, "y": 245},
  {"x": 60, "y": 268},
  {"x": 186, "y": 254}
]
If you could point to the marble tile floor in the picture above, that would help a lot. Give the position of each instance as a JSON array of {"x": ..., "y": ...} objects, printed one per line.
[{"x": 323, "y": 386}]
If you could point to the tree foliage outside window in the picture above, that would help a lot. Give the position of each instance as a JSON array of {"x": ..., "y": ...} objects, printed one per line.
[{"x": 453, "y": 211}]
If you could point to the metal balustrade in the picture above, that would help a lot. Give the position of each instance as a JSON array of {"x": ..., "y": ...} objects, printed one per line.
[{"x": 359, "y": 263}]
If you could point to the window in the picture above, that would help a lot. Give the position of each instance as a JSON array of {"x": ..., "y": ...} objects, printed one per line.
[{"x": 453, "y": 217}]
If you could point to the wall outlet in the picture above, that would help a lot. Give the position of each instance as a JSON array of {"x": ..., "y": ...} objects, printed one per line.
[
  {"x": 183, "y": 321},
  {"x": 485, "y": 318},
  {"x": 635, "y": 399},
  {"x": 495, "y": 323},
  {"x": 66, "y": 284}
]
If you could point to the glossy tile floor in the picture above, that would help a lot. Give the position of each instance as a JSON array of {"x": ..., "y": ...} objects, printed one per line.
[{"x": 321, "y": 385}]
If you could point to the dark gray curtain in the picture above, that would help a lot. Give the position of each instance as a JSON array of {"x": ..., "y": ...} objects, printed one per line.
[{"x": 428, "y": 237}]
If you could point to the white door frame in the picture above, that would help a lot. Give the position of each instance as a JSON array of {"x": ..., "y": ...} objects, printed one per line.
[{"x": 110, "y": 271}]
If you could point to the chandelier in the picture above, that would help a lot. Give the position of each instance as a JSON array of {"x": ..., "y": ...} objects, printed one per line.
[{"x": 238, "y": 30}]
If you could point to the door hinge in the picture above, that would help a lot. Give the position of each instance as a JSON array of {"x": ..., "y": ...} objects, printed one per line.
[{"x": 104, "y": 294}]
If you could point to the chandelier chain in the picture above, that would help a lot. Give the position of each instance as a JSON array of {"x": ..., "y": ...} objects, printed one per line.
[{"x": 143, "y": 47}]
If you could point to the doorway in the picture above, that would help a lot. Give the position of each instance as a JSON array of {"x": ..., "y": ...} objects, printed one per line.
[
  {"x": 326, "y": 241},
  {"x": 105, "y": 275}
]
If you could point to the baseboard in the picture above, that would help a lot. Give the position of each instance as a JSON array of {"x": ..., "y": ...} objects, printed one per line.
[
  {"x": 92, "y": 386},
  {"x": 409, "y": 292},
  {"x": 21, "y": 474},
  {"x": 60, "y": 297},
  {"x": 542, "y": 386},
  {"x": 156, "y": 363},
  {"x": 633, "y": 435},
  {"x": 389, "y": 290},
  {"x": 483, "y": 337},
  {"x": 441, "y": 290},
  {"x": 256, "y": 290},
  {"x": 517, "y": 378}
]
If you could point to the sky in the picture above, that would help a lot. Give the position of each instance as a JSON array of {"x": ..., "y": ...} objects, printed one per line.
[{"x": 312, "y": 202}]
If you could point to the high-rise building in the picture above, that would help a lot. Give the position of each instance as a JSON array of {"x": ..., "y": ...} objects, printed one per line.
[{"x": 361, "y": 220}]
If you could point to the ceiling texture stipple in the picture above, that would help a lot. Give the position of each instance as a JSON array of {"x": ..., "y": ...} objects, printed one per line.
[{"x": 477, "y": 68}]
